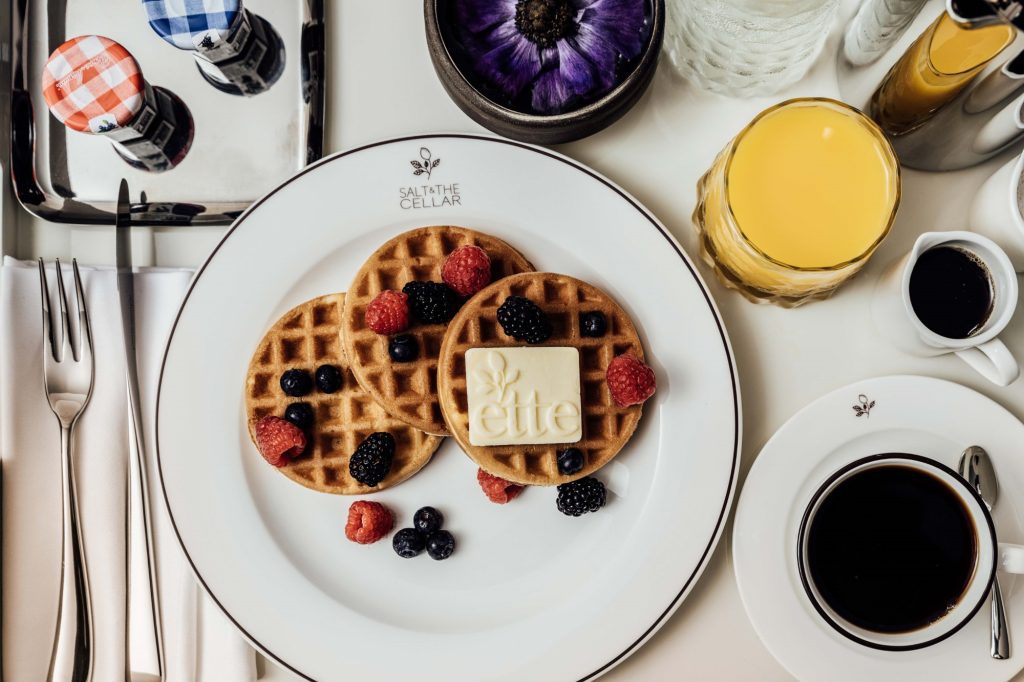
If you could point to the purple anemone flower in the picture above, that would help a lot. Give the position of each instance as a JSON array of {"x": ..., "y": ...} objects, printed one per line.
[{"x": 552, "y": 53}]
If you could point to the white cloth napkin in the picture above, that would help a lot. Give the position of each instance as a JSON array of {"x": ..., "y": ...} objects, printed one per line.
[{"x": 200, "y": 643}]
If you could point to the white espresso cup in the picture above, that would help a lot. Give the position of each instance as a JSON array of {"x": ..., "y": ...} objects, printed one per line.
[
  {"x": 996, "y": 211},
  {"x": 894, "y": 315},
  {"x": 990, "y": 555}
]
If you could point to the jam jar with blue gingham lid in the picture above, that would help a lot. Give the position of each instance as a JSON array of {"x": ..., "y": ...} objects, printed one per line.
[
  {"x": 92, "y": 84},
  {"x": 236, "y": 51}
]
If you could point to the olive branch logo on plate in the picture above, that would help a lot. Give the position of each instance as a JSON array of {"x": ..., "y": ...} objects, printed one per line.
[
  {"x": 864, "y": 408},
  {"x": 425, "y": 164}
]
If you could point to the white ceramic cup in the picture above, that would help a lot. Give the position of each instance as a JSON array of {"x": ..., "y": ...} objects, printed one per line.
[
  {"x": 996, "y": 210},
  {"x": 895, "y": 319},
  {"x": 990, "y": 555}
]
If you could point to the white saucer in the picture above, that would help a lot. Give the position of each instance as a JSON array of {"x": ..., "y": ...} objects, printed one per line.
[{"x": 929, "y": 417}]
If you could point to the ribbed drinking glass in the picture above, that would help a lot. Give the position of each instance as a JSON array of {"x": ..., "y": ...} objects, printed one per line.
[{"x": 745, "y": 48}]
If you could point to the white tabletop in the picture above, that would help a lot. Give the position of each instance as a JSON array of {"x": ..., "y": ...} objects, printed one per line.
[{"x": 381, "y": 84}]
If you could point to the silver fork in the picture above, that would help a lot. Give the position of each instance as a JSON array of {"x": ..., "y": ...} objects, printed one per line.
[{"x": 68, "y": 380}]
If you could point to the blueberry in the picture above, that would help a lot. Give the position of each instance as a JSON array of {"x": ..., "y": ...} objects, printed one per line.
[
  {"x": 328, "y": 378},
  {"x": 428, "y": 520},
  {"x": 408, "y": 543},
  {"x": 403, "y": 348},
  {"x": 300, "y": 414},
  {"x": 296, "y": 382},
  {"x": 570, "y": 461},
  {"x": 593, "y": 324},
  {"x": 440, "y": 545}
]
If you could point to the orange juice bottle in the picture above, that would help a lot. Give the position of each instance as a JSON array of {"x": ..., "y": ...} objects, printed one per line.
[{"x": 934, "y": 70}]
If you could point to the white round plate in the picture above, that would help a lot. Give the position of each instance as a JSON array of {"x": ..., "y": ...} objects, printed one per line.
[
  {"x": 908, "y": 414},
  {"x": 530, "y": 594}
]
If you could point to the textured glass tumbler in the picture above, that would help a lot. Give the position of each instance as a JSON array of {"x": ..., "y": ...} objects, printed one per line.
[
  {"x": 746, "y": 48},
  {"x": 762, "y": 271}
]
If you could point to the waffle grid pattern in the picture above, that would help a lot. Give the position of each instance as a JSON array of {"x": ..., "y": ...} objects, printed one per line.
[
  {"x": 408, "y": 390},
  {"x": 305, "y": 338},
  {"x": 606, "y": 427}
]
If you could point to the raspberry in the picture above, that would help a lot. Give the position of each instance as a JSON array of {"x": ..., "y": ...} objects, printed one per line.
[
  {"x": 630, "y": 381},
  {"x": 388, "y": 313},
  {"x": 368, "y": 522},
  {"x": 467, "y": 270},
  {"x": 498, "y": 490},
  {"x": 279, "y": 440}
]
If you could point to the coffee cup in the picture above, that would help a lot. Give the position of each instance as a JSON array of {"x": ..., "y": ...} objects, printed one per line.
[
  {"x": 919, "y": 302},
  {"x": 998, "y": 210},
  {"x": 897, "y": 552}
]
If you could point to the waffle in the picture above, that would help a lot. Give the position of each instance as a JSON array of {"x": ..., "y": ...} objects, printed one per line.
[
  {"x": 305, "y": 338},
  {"x": 606, "y": 427},
  {"x": 408, "y": 390}
]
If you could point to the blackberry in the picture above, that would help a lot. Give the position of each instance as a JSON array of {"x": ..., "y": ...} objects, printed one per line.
[
  {"x": 371, "y": 461},
  {"x": 296, "y": 383},
  {"x": 570, "y": 461},
  {"x": 403, "y": 348},
  {"x": 408, "y": 543},
  {"x": 579, "y": 497},
  {"x": 593, "y": 324},
  {"x": 428, "y": 520},
  {"x": 523, "y": 319},
  {"x": 431, "y": 302},
  {"x": 300, "y": 414},
  {"x": 328, "y": 378},
  {"x": 440, "y": 545}
]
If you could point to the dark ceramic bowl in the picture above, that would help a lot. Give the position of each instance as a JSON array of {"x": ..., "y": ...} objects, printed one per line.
[{"x": 577, "y": 123}]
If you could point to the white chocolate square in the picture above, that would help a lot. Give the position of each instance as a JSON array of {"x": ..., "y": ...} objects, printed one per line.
[{"x": 524, "y": 396}]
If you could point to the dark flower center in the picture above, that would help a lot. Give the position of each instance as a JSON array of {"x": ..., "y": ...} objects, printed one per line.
[{"x": 545, "y": 22}]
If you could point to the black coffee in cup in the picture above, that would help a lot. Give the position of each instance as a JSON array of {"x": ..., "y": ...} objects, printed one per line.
[
  {"x": 891, "y": 549},
  {"x": 951, "y": 292}
]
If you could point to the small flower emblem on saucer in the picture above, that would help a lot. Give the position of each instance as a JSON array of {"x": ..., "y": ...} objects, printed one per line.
[
  {"x": 864, "y": 408},
  {"x": 427, "y": 165}
]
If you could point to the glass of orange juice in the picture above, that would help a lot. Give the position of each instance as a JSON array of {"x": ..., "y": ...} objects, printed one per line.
[{"x": 798, "y": 201}]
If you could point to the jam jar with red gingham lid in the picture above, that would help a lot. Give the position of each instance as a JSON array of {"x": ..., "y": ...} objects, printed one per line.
[
  {"x": 93, "y": 85},
  {"x": 237, "y": 51}
]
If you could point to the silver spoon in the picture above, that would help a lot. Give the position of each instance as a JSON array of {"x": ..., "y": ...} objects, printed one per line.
[{"x": 976, "y": 468}]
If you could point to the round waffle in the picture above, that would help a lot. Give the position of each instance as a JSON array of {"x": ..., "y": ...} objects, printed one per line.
[
  {"x": 408, "y": 390},
  {"x": 606, "y": 426},
  {"x": 305, "y": 338}
]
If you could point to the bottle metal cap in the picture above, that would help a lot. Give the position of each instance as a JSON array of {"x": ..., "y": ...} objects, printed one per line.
[
  {"x": 193, "y": 24},
  {"x": 977, "y": 13},
  {"x": 92, "y": 84}
]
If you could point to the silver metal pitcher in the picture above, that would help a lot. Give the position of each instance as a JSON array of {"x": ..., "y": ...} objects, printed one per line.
[{"x": 983, "y": 119}]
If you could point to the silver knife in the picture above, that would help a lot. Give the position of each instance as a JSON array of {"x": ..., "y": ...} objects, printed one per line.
[{"x": 149, "y": 621}]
